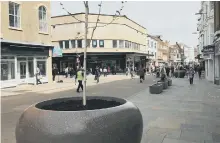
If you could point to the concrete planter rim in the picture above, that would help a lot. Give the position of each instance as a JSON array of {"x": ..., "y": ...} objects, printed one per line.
[{"x": 123, "y": 102}]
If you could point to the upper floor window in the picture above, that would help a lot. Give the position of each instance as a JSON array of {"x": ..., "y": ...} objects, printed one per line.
[
  {"x": 152, "y": 44},
  {"x": 14, "y": 15},
  {"x": 121, "y": 44},
  {"x": 79, "y": 43},
  {"x": 94, "y": 43},
  {"x": 61, "y": 44},
  {"x": 101, "y": 43},
  {"x": 126, "y": 44},
  {"x": 155, "y": 45},
  {"x": 73, "y": 43},
  {"x": 114, "y": 43},
  {"x": 42, "y": 19},
  {"x": 67, "y": 45}
]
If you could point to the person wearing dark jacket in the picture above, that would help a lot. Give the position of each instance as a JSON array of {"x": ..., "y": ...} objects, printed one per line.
[
  {"x": 54, "y": 73},
  {"x": 142, "y": 73}
]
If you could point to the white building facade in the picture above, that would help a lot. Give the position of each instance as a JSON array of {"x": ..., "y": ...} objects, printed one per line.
[
  {"x": 189, "y": 54},
  {"x": 205, "y": 27},
  {"x": 152, "y": 50}
]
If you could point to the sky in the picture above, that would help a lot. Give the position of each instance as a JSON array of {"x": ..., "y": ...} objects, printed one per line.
[{"x": 174, "y": 20}]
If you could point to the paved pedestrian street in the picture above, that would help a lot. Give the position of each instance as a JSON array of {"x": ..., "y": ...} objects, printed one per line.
[{"x": 182, "y": 113}]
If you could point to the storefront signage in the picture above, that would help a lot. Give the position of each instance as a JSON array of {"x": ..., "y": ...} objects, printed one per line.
[
  {"x": 208, "y": 49},
  {"x": 217, "y": 48},
  {"x": 57, "y": 52}
]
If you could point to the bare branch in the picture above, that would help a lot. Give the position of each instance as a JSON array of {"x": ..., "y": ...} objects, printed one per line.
[
  {"x": 100, "y": 6},
  {"x": 70, "y": 13},
  {"x": 115, "y": 17}
]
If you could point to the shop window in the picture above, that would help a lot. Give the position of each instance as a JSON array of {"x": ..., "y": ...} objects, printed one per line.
[
  {"x": 101, "y": 43},
  {"x": 61, "y": 44},
  {"x": 14, "y": 15},
  {"x": 67, "y": 45},
  {"x": 31, "y": 68},
  {"x": 73, "y": 43},
  {"x": 94, "y": 43},
  {"x": 42, "y": 66},
  {"x": 114, "y": 43},
  {"x": 21, "y": 58},
  {"x": 7, "y": 70},
  {"x": 121, "y": 43},
  {"x": 79, "y": 43}
]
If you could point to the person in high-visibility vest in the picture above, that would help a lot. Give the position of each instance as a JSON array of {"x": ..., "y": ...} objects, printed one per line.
[{"x": 79, "y": 77}]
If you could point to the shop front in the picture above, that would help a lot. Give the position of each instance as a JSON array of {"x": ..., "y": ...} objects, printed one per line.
[{"x": 19, "y": 63}]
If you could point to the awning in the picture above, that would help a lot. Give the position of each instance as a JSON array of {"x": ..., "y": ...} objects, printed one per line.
[{"x": 23, "y": 44}]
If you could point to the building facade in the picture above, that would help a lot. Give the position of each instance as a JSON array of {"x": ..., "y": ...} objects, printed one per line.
[
  {"x": 175, "y": 55},
  {"x": 189, "y": 54},
  {"x": 217, "y": 41},
  {"x": 152, "y": 50},
  {"x": 25, "y": 42},
  {"x": 121, "y": 43},
  {"x": 205, "y": 27},
  {"x": 163, "y": 52}
]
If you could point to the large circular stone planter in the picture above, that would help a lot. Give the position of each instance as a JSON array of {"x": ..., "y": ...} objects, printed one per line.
[
  {"x": 165, "y": 84},
  {"x": 65, "y": 120},
  {"x": 156, "y": 88},
  {"x": 180, "y": 73}
]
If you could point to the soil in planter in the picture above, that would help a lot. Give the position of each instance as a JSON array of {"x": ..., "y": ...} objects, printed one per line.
[{"x": 76, "y": 105}]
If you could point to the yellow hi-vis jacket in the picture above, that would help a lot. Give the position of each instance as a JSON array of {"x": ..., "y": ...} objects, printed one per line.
[{"x": 79, "y": 75}]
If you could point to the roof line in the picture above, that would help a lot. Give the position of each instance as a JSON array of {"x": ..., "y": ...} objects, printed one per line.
[{"x": 97, "y": 14}]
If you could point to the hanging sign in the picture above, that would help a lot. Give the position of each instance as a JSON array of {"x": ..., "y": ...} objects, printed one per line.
[
  {"x": 209, "y": 49},
  {"x": 57, "y": 52}
]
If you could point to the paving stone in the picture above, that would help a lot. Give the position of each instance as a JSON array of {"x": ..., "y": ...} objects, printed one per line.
[
  {"x": 174, "y": 134},
  {"x": 169, "y": 140},
  {"x": 154, "y": 135},
  {"x": 195, "y": 136},
  {"x": 216, "y": 137},
  {"x": 192, "y": 127}
]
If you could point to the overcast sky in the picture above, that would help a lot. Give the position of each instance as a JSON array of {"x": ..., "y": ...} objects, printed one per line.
[{"x": 175, "y": 21}]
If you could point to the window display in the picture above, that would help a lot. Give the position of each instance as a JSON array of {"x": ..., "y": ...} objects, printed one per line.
[{"x": 7, "y": 70}]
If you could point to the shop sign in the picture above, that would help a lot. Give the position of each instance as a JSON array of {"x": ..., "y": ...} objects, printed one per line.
[
  {"x": 217, "y": 48},
  {"x": 57, "y": 52},
  {"x": 208, "y": 49}
]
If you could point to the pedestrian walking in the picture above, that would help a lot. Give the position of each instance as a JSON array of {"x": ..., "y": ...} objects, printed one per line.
[
  {"x": 54, "y": 73},
  {"x": 97, "y": 74},
  {"x": 38, "y": 76},
  {"x": 132, "y": 73},
  {"x": 172, "y": 71},
  {"x": 79, "y": 77},
  {"x": 105, "y": 71},
  {"x": 66, "y": 71},
  {"x": 141, "y": 74},
  {"x": 191, "y": 73}
]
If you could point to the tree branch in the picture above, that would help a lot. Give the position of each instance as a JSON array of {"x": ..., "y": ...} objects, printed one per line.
[
  {"x": 71, "y": 13},
  {"x": 100, "y": 6},
  {"x": 114, "y": 17}
]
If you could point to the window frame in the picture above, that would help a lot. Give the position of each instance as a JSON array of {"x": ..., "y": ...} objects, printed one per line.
[
  {"x": 42, "y": 21},
  {"x": 14, "y": 15},
  {"x": 71, "y": 43},
  {"x": 121, "y": 44},
  {"x": 66, "y": 41},
  {"x": 94, "y": 46},
  {"x": 101, "y": 46},
  {"x": 60, "y": 45},
  {"x": 78, "y": 42},
  {"x": 116, "y": 43}
]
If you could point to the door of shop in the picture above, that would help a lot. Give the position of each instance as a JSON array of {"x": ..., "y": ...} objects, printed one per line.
[{"x": 22, "y": 71}]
